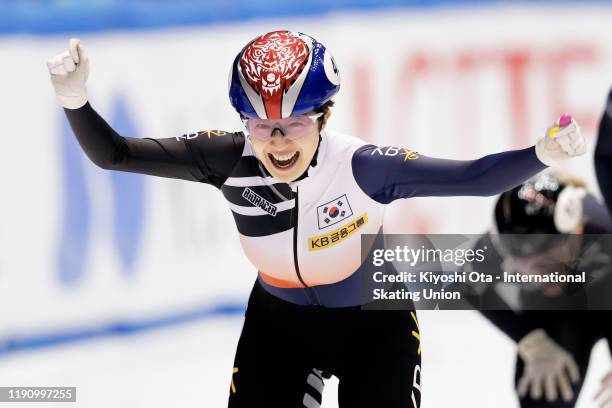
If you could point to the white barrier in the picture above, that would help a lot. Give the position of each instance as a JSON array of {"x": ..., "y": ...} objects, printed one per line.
[{"x": 456, "y": 83}]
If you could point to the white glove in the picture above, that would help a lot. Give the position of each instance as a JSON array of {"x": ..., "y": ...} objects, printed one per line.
[
  {"x": 604, "y": 395},
  {"x": 546, "y": 365},
  {"x": 563, "y": 140},
  {"x": 69, "y": 71}
]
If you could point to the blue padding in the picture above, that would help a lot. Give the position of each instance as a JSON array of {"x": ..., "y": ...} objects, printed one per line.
[
  {"x": 55, "y": 17},
  {"x": 41, "y": 340}
]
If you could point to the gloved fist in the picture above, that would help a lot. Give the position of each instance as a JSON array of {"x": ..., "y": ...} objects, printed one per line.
[
  {"x": 69, "y": 71},
  {"x": 547, "y": 366},
  {"x": 604, "y": 395},
  {"x": 563, "y": 140}
]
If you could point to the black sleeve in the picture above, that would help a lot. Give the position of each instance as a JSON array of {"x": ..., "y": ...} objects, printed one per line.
[
  {"x": 603, "y": 154},
  {"x": 514, "y": 323},
  {"x": 207, "y": 157}
]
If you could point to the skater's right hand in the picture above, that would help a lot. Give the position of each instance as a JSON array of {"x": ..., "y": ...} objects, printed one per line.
[
  {"x": 604, "y": 395},
  {"x": 69, "y": 71},
  {"x": 547, "y": 366}
]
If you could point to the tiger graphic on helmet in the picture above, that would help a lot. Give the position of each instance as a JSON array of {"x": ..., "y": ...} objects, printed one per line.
[
  {"x": 280, "y": 74},
  {"x": 272, "y": 62}
]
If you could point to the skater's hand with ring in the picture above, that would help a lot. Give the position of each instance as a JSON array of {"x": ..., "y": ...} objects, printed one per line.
[
  {"x": 604, "y": 395},
  {"x": 69, "y": 71},
  {"x": 549, "y": 368},
  {"x": 563, "y": 139}
]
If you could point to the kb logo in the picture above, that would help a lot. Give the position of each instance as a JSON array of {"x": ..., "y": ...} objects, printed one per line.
[{"x": 394, "y": 151}]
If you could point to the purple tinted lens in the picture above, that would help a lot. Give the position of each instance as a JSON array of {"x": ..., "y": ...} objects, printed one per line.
[{"x": 293, "y": 127}]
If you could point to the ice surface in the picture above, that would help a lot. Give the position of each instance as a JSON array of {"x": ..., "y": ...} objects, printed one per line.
[{"x": 466, "y": 362}]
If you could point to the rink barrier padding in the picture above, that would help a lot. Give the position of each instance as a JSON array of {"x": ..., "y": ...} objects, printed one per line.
[
  {"x": 33, "y": 341},
  {"x": 50, "y": 18}
]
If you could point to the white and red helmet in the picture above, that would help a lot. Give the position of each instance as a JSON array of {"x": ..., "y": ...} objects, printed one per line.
[{"x": 281, "y": 74}]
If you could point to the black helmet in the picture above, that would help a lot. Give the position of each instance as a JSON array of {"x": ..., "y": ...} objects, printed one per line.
[{"x": 545, "y": 206}]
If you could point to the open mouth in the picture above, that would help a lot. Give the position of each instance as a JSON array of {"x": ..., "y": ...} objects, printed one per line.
[{"x": 284, "y": 161}]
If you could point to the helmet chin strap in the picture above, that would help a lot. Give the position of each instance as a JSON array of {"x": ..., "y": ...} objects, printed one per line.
[{"x": 313, "y": 161}]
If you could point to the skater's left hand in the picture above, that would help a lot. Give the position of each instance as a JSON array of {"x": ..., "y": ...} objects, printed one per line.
[
  {"x": 563, "y": 139},
  {"x": 604, "y": 395},
  {"x": 547, "y": 366}
]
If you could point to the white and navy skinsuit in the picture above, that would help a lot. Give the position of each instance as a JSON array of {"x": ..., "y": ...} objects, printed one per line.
[{"x": 303, "y": 238}]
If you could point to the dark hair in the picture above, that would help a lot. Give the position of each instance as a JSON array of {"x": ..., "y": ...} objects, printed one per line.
[{"x": 324, "y": 109}]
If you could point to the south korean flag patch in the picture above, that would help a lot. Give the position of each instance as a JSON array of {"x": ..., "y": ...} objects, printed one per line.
[{"x": 334, "y": 211}]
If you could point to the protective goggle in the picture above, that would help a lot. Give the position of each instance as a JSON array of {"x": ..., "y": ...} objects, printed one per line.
[{"x": 294, "y": 127}]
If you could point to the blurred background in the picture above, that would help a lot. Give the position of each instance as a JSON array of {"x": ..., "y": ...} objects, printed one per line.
[{"x": 132, "y": 288}]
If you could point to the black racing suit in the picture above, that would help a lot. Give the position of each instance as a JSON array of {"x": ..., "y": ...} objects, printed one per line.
[{"x": 575, "y": 330}]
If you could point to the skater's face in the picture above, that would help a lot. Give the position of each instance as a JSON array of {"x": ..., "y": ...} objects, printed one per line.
[
  {"x": 287, "y": 146},
  {"x": 558, "y": 258}
]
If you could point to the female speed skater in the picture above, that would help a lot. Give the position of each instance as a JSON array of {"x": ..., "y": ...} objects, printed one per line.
[
  {"x": 301, "y": 197},
  {"x": 554, "y": 345}
]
